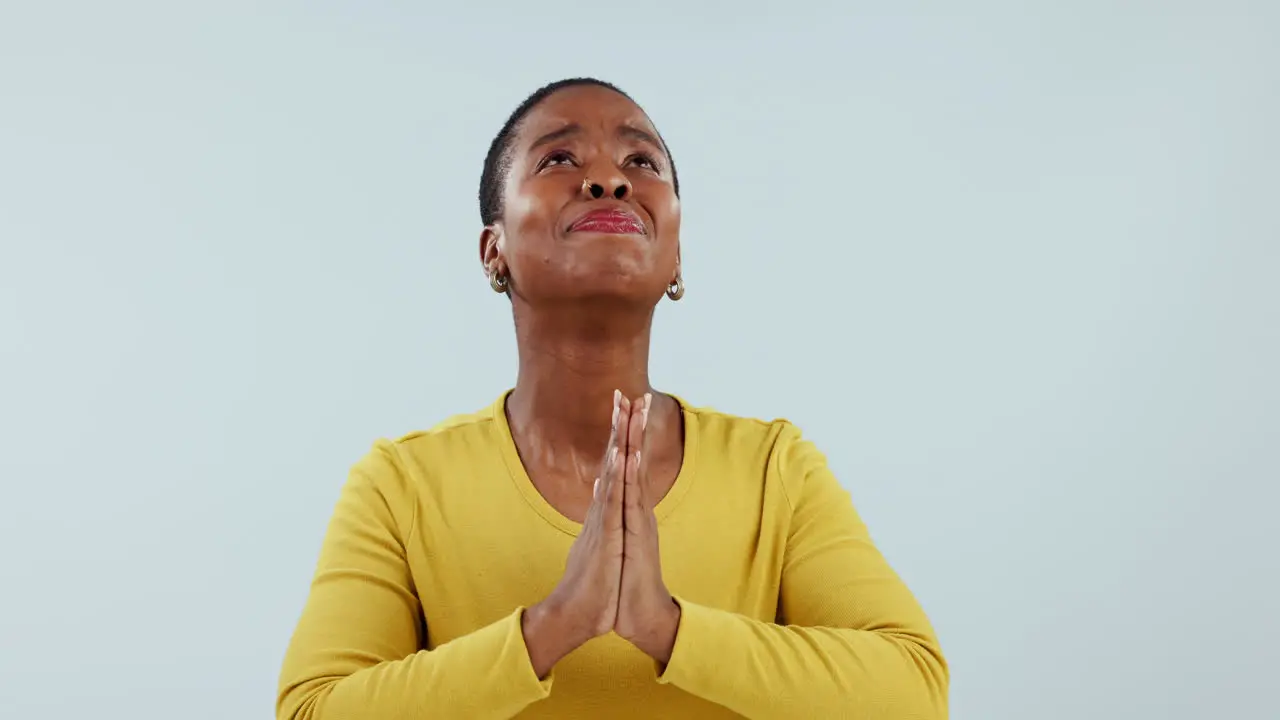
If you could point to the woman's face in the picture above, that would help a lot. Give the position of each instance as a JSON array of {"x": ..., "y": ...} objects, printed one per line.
[{"x": 556, "y": 240}]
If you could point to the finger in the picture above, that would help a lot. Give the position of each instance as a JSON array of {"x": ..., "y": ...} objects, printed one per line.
[
  {"x": 601, "y": 485},
  {"x": 639, "y": 419},
  {"x": 593, "y": 510},
  {"x": 622, "y": 432},
  {"x": 636, "y": 464},
  {"x": 648, "y": 405},
  {"x": 637, "y": 518},
  {"x": 616, "y": 442},
  {"x": 617, "y": 409},
  {"x": 635, "y": 438},
  {"x": 611, "y": 485},
  {"x": 631, "y": 487},
  {"x": 643, "y": 470}
]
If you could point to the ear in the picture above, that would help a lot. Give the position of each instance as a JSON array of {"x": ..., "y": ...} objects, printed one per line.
[{"x": 491, "y": 259}]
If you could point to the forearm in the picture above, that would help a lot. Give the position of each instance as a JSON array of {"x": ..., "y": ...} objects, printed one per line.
[
  {"x": 486, "y": 674},
  {"x": 764, "y": 671}
]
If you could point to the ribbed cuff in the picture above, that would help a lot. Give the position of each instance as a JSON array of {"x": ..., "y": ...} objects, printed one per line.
[
  {"x": 515, "y": 659},
  {"x": 694, "y": 651}
]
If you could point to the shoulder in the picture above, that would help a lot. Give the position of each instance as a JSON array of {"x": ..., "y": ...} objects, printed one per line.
[
  {"x": 776, "y": 435},
  {"x": 778, "y": 445},
  {"x": 466, "y": 432},
  {"x": 398, "y": 466}
]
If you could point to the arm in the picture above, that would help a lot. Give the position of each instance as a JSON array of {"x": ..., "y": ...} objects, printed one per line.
[
  {"x": 356, "y": 650},
  {"x": 855, "y": 643}
]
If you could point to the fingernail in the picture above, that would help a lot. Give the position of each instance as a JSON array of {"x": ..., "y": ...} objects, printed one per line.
[
  {"x": 648, "y": 401},
  {"x": 595, "y": 488}
]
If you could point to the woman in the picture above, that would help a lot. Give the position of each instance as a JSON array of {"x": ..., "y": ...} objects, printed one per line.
[{"x": 507, "y": 563}]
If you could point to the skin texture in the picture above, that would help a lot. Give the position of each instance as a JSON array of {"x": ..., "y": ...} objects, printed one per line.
[{"x": 583, "y": 408}]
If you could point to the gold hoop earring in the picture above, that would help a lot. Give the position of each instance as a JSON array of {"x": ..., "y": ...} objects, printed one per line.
[
  {"x": 675, "y": 290},
  {"x": 498, "y": 282}
]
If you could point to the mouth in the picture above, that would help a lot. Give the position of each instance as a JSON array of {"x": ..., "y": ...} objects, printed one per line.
[{"x": 610, "y": 221}]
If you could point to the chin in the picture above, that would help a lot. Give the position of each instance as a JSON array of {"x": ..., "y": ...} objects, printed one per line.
[
  {"x": 615, "y": 286},
  {"x": 621, "y": 264}
]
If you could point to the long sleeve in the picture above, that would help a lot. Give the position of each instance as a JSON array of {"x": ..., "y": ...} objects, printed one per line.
[
  {"x": 356, "y": 652},
  {"x": 855, "y": 643}
]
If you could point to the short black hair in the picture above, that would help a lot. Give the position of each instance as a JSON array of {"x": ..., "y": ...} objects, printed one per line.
[{"x": 497, "y": 162}]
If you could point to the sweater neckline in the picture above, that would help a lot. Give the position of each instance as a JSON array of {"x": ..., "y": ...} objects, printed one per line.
[{"x": 520, "y": 477}]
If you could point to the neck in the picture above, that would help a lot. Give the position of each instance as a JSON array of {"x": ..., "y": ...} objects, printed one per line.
[{"x": 570, "y": 364}]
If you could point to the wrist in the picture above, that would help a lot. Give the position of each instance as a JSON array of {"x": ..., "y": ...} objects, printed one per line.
[
  {"x": 659, "y": 638},
  {"x": 550, "y": 633}
]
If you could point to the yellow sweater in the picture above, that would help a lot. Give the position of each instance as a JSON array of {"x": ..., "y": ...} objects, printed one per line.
[{"x": 440, "y": 540}]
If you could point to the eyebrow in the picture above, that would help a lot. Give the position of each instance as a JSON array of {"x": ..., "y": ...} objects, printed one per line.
[
  {"x": 556, "y": 135},
  {"x": 635, "y": 133},
  {"x": 572, "y": 129}
]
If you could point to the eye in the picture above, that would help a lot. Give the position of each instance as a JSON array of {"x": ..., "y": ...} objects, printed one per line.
[
  {"x": 559, "y": 157},
  {"x": 644, "y": 161}
]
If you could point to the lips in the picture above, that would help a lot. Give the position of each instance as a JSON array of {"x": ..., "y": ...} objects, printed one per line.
[{"x": 612, "y": 222}]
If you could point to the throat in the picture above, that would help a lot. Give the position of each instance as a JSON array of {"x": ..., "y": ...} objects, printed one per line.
[{"x": 564, "y": 474}]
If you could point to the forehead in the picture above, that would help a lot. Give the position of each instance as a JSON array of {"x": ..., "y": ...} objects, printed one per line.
[{"x": 588, "y": 106}]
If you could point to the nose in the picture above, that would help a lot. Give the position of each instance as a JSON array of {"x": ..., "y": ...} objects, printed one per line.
[{"x": 614, "y": 184}]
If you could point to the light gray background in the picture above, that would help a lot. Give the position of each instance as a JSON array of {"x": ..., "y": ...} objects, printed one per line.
[{"x": 1013, "y": 268}]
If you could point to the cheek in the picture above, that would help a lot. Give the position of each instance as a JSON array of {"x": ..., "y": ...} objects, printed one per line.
[
  {"x": 530, "y": 218},
  {"x": 524, "y": 211},
  {"x": 673, "y": 214},
  {"x": 667, "y": 216}
]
